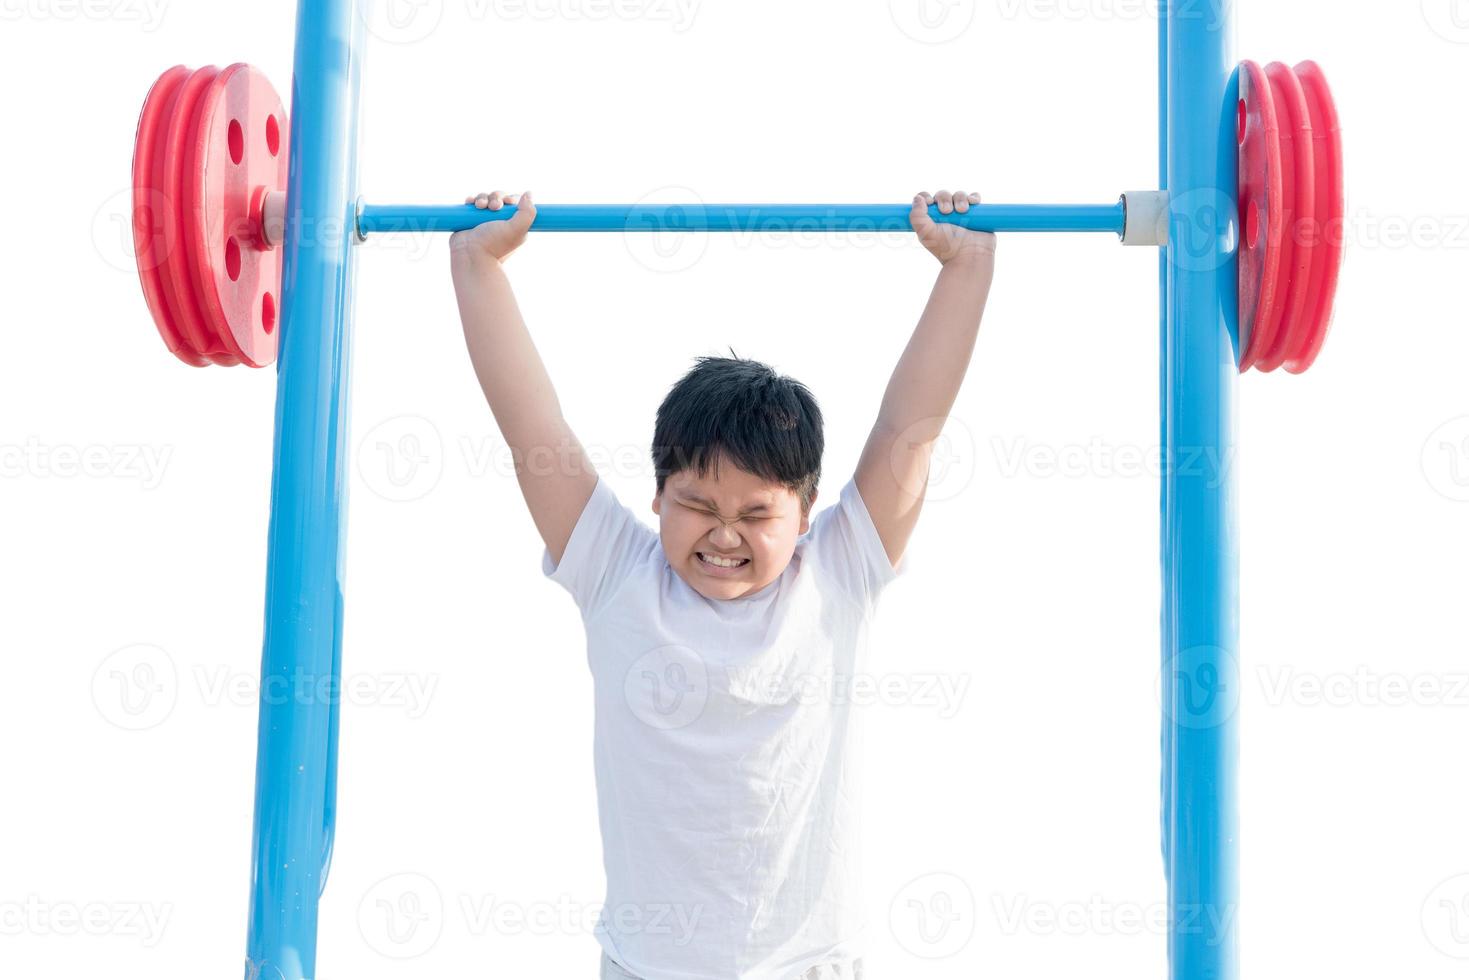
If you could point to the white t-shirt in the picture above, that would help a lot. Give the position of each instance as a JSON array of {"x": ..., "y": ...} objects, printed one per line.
[{"x": 725, "y": 748}]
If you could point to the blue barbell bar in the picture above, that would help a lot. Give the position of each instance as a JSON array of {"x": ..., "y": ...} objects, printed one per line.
[{"x": 742, "y": 217}]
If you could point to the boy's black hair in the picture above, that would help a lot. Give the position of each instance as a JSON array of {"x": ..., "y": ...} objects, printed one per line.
[{"x": 742, "y": 411}]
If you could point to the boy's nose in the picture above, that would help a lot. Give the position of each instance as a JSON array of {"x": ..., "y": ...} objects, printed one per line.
[{"x": 724, "y": 537}]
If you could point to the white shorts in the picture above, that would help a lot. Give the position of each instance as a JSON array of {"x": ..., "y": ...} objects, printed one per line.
[{"x": 835, "y": 971}]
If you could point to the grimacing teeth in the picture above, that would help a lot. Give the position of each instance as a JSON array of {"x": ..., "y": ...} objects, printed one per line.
[{"x": 721, "y": 562}]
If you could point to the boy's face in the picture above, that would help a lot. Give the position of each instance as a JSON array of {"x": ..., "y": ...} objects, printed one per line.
[{"x": 728, "y": 533}]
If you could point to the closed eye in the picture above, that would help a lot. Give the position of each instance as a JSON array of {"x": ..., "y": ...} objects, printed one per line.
[{"x": 709, "y": 513}]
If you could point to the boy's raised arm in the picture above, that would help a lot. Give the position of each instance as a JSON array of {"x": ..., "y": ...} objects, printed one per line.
[
  {"x": 555, "y": 477},
  {"x": 892, "y": 474}
]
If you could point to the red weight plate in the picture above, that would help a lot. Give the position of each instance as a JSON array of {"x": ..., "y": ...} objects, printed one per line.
[
  {"x": 1298, "y": 182},
  {"x": 238, "y": 151},
  {"x": 152, "y": 238},
  {"x": 178, "y": 278},
  {"x": 1328, "y": 223},
  {"x": 1260, "y": 222}
]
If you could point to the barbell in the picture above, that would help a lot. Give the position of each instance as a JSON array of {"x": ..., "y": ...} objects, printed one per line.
[{"x": 210, "y": 210}]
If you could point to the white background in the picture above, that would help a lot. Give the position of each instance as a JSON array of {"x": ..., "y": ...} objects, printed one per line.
[{"x": 135, "y": 490}]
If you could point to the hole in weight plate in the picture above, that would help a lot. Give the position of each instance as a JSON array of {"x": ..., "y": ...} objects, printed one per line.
[
  {"x": 272, "y": 135},
  {"x": 237, "y": 141},
  {"x": 1239, "y": 126},
  {"x": 232, "y": 259},
  {"x": 267, "y": 312}
]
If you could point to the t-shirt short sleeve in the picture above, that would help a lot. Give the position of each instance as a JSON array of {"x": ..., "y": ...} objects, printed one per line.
[
  {"x": 845, "y": 544},
  {"x": 607, "y": 542}
]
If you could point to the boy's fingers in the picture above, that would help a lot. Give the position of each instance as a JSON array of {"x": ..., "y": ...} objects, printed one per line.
[
  {"x": 920, "y": 219},
  {"x": 961, "y": 201},
  {"x": 526, "y": 213}
]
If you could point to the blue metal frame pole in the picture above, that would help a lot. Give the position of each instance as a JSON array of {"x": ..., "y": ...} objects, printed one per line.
[
  {"x": 295, "y": 769},
  {"x": 742, "y": 217},
  {"x": 1200, "y": 581},
  {"x": 1165, "y": 624}
]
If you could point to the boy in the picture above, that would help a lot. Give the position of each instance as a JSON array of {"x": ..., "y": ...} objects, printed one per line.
[{"x": 726, "y": 790}]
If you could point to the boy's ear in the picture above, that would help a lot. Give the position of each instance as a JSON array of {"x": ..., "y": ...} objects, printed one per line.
[
  {"x": 658, "y": 503},
  {"x": 806, "y": 513}
]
